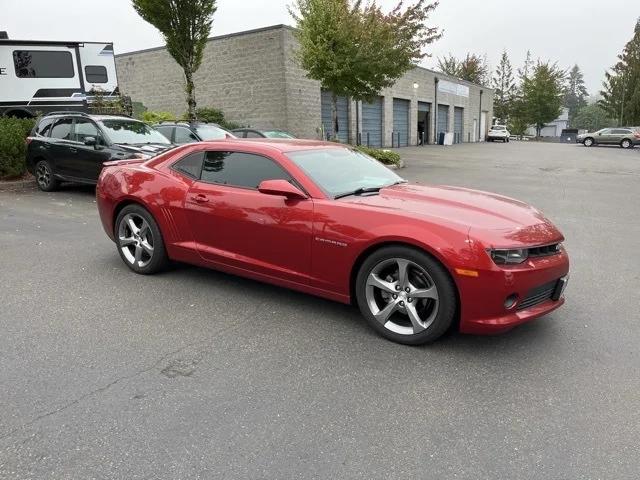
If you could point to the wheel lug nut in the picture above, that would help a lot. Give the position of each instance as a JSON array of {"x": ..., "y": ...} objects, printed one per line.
[
  {"x": 409, "y": 299},
  {"x": 406, "y": 289},
  {"x": 397, "y": 287},
  {"x": 402, "y": 304},
  {"x": 395, "y": 296}
]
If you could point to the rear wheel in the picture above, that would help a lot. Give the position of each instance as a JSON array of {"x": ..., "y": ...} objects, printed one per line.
[
  {"x": 44, "y": 177},
  {"x": 139, "y": 241},
  {"x": 406, "y": 295},
  {"x": 626, "y": 143},
  {"x": 588, "y": 142}
]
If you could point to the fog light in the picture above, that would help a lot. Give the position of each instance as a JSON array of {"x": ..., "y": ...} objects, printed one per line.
[{"x": 510, "y": 301}]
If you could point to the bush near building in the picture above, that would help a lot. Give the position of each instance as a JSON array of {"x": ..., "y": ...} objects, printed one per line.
[
  {"x": 13, "y": 147},
  {"x": 384, "y": 156}
]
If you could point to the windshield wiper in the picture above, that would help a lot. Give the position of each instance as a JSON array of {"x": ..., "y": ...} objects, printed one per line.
[{"x": 359, "y": 191}]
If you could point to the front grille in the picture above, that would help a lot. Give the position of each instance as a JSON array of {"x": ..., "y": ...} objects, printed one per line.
[
  {"x": 538, "y": 295},
  {"x": 544, "y": 251}
]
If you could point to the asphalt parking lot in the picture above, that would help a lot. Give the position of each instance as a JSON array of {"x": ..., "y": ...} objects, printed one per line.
[{"x": 196, "y": 374}]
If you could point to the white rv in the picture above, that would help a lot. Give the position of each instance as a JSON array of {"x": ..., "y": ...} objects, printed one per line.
[{"x": 41, "y": 76}]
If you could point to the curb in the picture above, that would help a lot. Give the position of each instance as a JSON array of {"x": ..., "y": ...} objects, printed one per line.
[{"x": 24, "y": 184}]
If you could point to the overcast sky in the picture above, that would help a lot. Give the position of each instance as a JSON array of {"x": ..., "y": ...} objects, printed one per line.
[{"x": 587, "y": 32}]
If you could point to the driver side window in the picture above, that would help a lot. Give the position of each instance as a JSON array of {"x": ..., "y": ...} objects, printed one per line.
[
  {"x": 239, "y": 169},
  {"x": 84, "y": 129}
]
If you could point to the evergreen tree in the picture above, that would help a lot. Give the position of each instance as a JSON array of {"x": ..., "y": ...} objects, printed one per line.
[
  {"x": 592, "y": 118},
  {"x": 576, "y": 93},
  {"x": 621, "y": 93},
  {"x": 527, "y": 67},
  {"x": 505, "y": 89}
]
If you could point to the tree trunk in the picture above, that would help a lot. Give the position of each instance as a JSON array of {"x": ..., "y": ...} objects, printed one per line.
[
  {"x": 191, "y": 97},
  {"x": 334, "y": 116}
]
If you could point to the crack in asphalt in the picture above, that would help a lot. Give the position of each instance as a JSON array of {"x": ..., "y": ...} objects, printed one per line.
[{"x": 155, "y": 365}]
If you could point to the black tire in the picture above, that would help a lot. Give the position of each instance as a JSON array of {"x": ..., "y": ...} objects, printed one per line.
[
  {"x": 588, "y": 142},
  {"x": 149, "y": 263},
  {"x": 626, "y": 143},
  {"x": 45, "y": 177},
  {"x": 446, "y": 291}
]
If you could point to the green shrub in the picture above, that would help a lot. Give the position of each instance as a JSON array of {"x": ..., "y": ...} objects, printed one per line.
[
  {"x": 384, "y": 156},
  {"x": 152, "y": 117},
  {"x": 215, "y": 115},
  {"x": 13, "y": 148}
]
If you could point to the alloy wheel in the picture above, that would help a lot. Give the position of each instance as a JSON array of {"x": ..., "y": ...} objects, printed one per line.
[
  {"x": 626, "y": 143},
  {"x": 402, "y": 296},
  {"x": 588, "y": 142},
  {"x": 135, "y": 239},
  {"x": 43, "y": 175}
]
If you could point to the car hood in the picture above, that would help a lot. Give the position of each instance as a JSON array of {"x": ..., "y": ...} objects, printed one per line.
[{"x": 495, "y": 220}]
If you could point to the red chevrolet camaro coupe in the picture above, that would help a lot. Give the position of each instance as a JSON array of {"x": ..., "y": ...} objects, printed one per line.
[{"x": 325, "y": 219}]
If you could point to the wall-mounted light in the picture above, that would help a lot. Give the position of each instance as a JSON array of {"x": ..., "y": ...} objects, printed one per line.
[{"x": 415, "y": 85}]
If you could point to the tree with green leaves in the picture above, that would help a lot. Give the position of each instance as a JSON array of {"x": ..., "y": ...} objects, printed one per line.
[
  {"x": 592, "y": 118},
  {"x": 472, "y": 68},
  {"x": 576, "y": 93},
  {"x": 621, "y": 93},
  {"x": 505, "y": 89},
  {"x": 356, "y": 50},
  {"x": 543, "y": 94},
  {"x": 185, "y": 26}
]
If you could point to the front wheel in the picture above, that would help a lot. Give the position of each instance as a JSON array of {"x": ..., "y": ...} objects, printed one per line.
[
  {"x": 139, "y": 240},
  {"x": 588, "y": 142},
  {"x": 626, "y": 143},
  {"x": 406, "y": 295}
]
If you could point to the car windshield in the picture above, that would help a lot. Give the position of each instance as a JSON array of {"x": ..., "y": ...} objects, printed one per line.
[
  {"x": 339, "y": 171},
  {"x": 277, "y": 134},
  {"x": 497, "y": 127},
  {"x": 211, "y": 132},
  {"x": 132, "y": 132}
]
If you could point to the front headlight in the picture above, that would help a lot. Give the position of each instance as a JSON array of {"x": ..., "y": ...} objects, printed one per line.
[{"x": 509, "y": 257}]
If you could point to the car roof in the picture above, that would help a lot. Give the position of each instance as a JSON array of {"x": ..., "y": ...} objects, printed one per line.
[
  {"x": 96, "y": 117},
  {"x": 279, "y": 144}
]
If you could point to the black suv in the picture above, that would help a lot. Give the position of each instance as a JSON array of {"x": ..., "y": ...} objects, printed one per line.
[
  {"x": 72, "y": 146},
  {"x": 182, "y": 132}
]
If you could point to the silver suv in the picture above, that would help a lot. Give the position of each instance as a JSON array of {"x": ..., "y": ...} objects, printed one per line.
[{"x": 626, "y": 137}]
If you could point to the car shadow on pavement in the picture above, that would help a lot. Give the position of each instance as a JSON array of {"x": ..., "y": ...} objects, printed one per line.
[{"x": 531, "y": 336}]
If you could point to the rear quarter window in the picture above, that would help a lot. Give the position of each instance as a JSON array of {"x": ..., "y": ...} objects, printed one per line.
[{"x": 191, "y": 165}]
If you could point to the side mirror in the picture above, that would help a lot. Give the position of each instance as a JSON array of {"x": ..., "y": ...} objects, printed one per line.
[
  {"x": 281, "y": 188},
  {"x": 90, "y": 141}
]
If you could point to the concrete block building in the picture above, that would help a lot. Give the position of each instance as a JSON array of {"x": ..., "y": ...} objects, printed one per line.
[{"x": 254, "y": 78}]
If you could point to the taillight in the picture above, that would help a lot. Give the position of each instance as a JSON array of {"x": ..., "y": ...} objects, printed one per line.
[
  {"x": 637, "y": 134},
  {"x": 28, "y": 140}
]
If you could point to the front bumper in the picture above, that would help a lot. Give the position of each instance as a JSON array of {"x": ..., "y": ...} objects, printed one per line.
[{"x": 483, "y": 309}]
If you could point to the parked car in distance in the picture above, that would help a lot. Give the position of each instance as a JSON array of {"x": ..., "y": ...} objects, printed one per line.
[
  {"x": 498, "y": 132},
  {"x": 256, "y": 133},
  {"x": 73, "y": 146},
  {"x": 626, "y": 137},
  {"x": 328, "y": 220},
  {"x": 181, "y": 133}
]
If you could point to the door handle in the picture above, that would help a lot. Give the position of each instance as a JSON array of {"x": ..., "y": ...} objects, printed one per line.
[
  {"x": 73, "y": 150},
  {"x": 200, "y": 198}
]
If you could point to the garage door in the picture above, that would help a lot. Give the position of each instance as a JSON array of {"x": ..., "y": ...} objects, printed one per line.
[
  {"x": 458, "y": 122},
  {"x": 400, "y": 122},
  {"x": 443, "y": 119},
  {"x": 343, "y": 116},
  {"x": 372, "y": 123}
]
